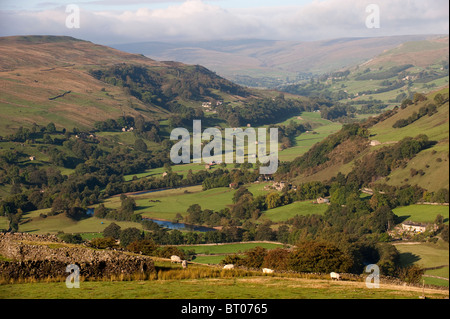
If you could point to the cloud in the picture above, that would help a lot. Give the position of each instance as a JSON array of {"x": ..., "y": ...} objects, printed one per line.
[{"x": 198, "y": 20}]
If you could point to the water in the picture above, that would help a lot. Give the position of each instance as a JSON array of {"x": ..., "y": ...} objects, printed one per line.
[
  {"x": 168, "y": 224},
  {"x": 180, "y": 226}
]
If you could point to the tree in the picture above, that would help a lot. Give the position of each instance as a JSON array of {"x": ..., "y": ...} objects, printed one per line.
[
  {"x": 273, "y": 200},
  {"x": 113, "y": 231},
  {"x": 128, "y": 206},
  {"x": 194, "y": 214},
  {"x": 254, "y": 258},
  {"x": 444, "y": 233},
  {"x": 276, "y": 259},
  {"x": 311, "y": 256},
  {"x": 128, "y": 235},
  {"x": 382, "y": 219},
  {"x": 100, "y": 211},
  {"x": 140, "y": 145},
  {"x": 51, "y": 128},
  {"x": 145, "y": 247},
  {"x": 103, "y": 243}
]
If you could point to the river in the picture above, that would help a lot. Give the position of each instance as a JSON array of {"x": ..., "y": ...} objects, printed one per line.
[{"x": 169, "y": 224}]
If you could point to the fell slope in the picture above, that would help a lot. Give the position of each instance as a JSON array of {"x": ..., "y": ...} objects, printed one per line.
[
  {"x": 429, "y": 168},
  {"x": 48, "y": 79}
]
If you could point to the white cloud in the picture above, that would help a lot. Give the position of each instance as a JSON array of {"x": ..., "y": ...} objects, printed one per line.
[{"x": 197, "y": 20}]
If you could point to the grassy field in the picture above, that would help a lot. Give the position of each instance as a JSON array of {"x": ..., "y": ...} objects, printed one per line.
[
  {"x": 214, "y": 254},
  {"x": 422, "y": 213},
  {"x": 53, "y": 224},
  {"x": 432, "y": 126},
  {"x": 164, "y": 204},
  {"x": 286, "y": 212},
  {"x": 254, "y": 287},
  {"x": 303, "y": 143},
  {"x": 427, "y": 255},
  {"x": 228, "y": 248}
]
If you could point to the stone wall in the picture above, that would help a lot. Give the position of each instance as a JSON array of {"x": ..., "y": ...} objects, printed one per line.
[{"x": 39, "y": 256}]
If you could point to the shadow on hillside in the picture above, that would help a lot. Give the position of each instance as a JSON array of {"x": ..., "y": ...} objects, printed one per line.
[
  {"x": 401, "y": 219},
  {"x": 408, "y": 259}
]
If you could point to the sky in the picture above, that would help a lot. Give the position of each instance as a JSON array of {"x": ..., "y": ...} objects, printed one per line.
[{"x": 125, "y": 21}]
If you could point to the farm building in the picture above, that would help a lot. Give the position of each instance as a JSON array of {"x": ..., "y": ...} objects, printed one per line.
[
  {"x": 322, "y": 200},
  {"x": 414, "y": 227}
]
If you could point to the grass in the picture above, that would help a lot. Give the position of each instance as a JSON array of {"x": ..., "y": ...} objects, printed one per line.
[
  {"x": 423, "y": 254},
  {"x": 166, "y": 204},
  {"x": 427, "y": 255},
  {"x": 286, "y": 212},
  {"x": 176, "y": 201},
  {"x": 254, "y": 287},
  {"x": 304, "y": 141},
  {"x": 434, "y": 127},
  {"x": 53, "y": 224},
  {"x": 228, "y": 248},
  {"x": 422, "y": 213}
]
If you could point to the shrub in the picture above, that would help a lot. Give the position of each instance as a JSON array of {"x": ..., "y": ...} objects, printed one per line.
[
  {"x": 277, "y": 259},
  {"x": 103, "y": 243},
  {"x": 411, "y": 274},
  {"x": 71, "y": 239},
  {"x": 113, "y": 230},
  {"x": 128, "y": 235},
  {"x": 146, "y": 247},
  {"x": 321, "y": 257}
]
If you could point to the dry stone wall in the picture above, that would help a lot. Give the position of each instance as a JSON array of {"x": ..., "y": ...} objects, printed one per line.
[{"x": 39, "y": 256}]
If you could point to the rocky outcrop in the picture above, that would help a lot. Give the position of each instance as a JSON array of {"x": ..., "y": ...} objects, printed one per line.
[{"x": 39, "y": 256}]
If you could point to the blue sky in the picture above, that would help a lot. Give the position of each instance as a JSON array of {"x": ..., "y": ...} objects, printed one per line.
[{"x": 122, "y": 21}]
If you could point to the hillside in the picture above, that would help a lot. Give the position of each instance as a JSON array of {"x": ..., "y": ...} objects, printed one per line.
[
  {"x": 345, "y": 151},
  {"x": 59, "y": 79},
  {"x": 269, "y": 63},
  {"x": 429, "y": 168},
  {"x": 385, "y": 79}
]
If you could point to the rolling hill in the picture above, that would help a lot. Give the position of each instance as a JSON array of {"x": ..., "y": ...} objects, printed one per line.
[
  {"x": 345, "y": 152},
  {"x": 270, "y": 63},
  {"x": 60, "y": 79}
]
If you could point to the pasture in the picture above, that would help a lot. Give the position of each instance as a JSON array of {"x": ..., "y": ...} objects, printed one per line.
[
  {"x": 283, "y": 213},
  {"x": 422, "y": 213},
  {"x": 246, "y": 287},
  {"x": 235, "y": 248},
  {"x": 427, "y": 255},
  {"x": 305, "y": 141}
]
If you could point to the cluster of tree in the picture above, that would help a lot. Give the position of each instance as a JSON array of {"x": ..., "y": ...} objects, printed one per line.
[
  {"x": 338, "y": 111},
  {"x": 383, "y": 161},
  {"x": 34, "y": 133},
  {"x": 124, "y": 213},
  {"x": 288, "y": 133},
  {"x": 386, "y": 87},
  {"x": 394, "y": 71},
  {"x": 160, "y": 86},
  {"x": 308, "y": 256},
  {"x": 247, "y": 206},
  {"x": 263, "y": 111},
  {"x": 318, "y": 89},
  {"x": 429, "y": 110},
  {"x": 319, "y": 153},
  {"x": 325, "y": 257}
]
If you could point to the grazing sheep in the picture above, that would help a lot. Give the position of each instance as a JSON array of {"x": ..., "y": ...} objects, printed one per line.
[
  {"x": 267, "y": 271},
  {"x": 334, "y": 275},
  {"x": 175, "y": 259},
  {"x": 230, "y": 266}
]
